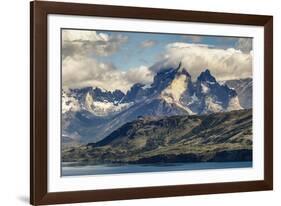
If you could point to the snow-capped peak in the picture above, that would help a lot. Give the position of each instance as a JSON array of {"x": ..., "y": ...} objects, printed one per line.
[
  {"x": 104, "y": 107},
  {"x": 182, "y": 70},
  {"x": 95, "y": 100},
  {"x": 99, "y": 88}
]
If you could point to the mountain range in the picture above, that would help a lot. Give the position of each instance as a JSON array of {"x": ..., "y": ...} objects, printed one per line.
[{"x": 90, "y": 114}]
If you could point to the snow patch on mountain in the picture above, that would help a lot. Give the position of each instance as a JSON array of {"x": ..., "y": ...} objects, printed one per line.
[
  {"x": 205, "y": 89},
  {"x": 212, "y": 106},
  {"x": 106, "y": 108},
  {"x": 234, "y": 104},
  {"x": 175, "y": 90},
  {"x": 98, "y": 102},
  {"x": 88, "y": 102},
  {"x": 193, "y": 99},
  {"x": 103, "y": 108}
]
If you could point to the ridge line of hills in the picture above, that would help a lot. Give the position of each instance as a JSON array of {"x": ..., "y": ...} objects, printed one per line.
[{"x": 212, "y": 137}]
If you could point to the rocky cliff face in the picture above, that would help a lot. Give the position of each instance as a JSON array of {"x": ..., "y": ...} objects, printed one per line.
[{"x": 244, "y": 89}]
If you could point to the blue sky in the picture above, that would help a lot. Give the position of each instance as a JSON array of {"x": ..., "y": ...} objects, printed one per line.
[{"x": 132, "y": 54}]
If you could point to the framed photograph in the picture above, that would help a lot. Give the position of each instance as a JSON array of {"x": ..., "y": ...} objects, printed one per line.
[{"x": 131, "y": 103}]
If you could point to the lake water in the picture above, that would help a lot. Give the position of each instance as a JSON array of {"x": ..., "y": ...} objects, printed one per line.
[{"x": 70, "y": 169}]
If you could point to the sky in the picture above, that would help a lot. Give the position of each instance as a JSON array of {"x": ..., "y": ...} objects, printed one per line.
[{"x": 116, "y": 60}]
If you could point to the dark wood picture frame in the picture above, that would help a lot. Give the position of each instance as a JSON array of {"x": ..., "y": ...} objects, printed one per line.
[{"x": 39, "y": 194}]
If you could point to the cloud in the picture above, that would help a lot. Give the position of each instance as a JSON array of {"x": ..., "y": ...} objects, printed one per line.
[
  {"x": 141, "y": 74},
  {"x": 224, "y": 64},
  {"x": 82, "y": 35},
  {"x": 244, "y": 44},
  {"x": 91, "y": 43},
  {"x": 82, "y": 71},
  {"x": 80, "y": 67},
  {"x": 148, "y": 43}
]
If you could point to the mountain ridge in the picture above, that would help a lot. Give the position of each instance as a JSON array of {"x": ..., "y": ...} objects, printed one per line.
[
  {"x": 172, "y": 92},
  {"x": 182, "y": 138}
]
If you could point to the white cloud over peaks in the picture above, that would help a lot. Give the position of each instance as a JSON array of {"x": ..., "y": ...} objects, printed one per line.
[
  {"x": 224, "y": 64},
  {"x": 81, "y": 35},
  {"x": 244, "y": 44},
  {"x": 80, "y": 67},
  {"x": 85, "y": 42},
  {"x": 141, "y": 74},
  {"x": 81, "y": 71}
]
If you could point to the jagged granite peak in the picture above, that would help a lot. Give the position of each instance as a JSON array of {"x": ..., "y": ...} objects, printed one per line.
[
  {"x": 174, "y": 92},
  {"x": 214, "y": 97},
  {"x": 206, "y": 76},
  {"x": 136, "y": 93},
  {"x": 182, "y": 70},
  {"x": 98, "y": 94},
  {"x": 165, "y": 77},
  {"x": 244, "y": 90},
  {"x": 118, "y": 94},
  {"x": 95, "y": 100}
]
